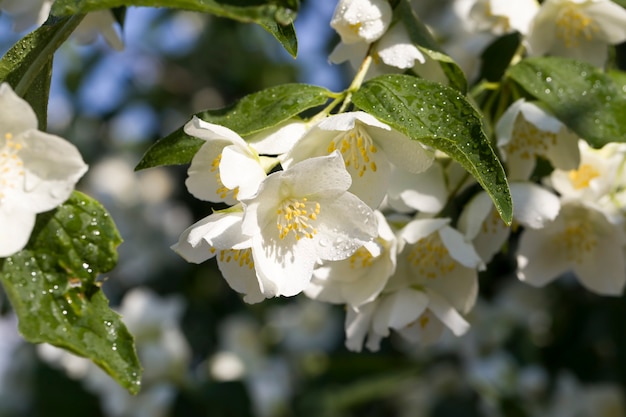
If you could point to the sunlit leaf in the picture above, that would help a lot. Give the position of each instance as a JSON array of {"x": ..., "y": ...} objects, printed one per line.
[
  {"x": 442, "y": 118},
  {"x": 251, "y": 114}
]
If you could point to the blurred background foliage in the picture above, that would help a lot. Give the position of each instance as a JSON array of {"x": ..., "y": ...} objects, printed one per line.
[{"x": 527, "y": 348}]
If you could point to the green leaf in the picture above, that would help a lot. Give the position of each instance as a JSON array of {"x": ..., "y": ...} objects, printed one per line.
[
  {"x": 27, "y": 66},
  {"x": 21, "y": 65},
  {"x": 440, "y": 117},
  {"x": 251, "y": 114},
  {"x": 496, "y": 58},
  {"x": 420, "y": 35},
  {"x": 38, "y": 94},
  {"x": 53, "y": 289},
  {"x": 583, "y": 97},
  {"x": 274, "y": 16}
]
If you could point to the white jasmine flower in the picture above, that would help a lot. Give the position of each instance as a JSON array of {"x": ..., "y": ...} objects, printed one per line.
[
  {"x": 368, "y": 146},
  {"x": 394, "y": 52},
  {"x": 533, "y": 206},
  {"x": 225, "y": 168},
  {"x": 580, "y": 29},
  {"x": 434, "y": 283},
  {"x": 359, "y": 23},
  {"x": 504, "y": 16},
  {"x": 582, "y": 240},
  {"x": 595, "y": 180},
  {"x": 361, "y": 20},
  {"x": 39, "y": 171},
  {"x": 219, "y": 235},
  {"x": 444, "y": 265},
  {"x": 526, "y": 131},
  {"x": 360, "y": 278},
  {"x": 301, "y": 216}
]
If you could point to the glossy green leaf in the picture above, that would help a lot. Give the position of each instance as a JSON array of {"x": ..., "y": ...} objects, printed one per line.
[
  {"x": 440, "y": 117},
  {"x": 496, "y": 58},
  {"x": 53, "y": 289},
  {"x": 420, "y": 35},
  {"x": 27, "y": 66},
  {"x": 582, "y": 96},
  {"x": 251, "y": 114},
  {"x": 274, "y": 16}
]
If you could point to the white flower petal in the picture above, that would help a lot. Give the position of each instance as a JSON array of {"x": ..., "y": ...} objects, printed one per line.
[
  {"x": 203, "y": 176},
  {"x": 474, "y": 215},
  {"x": 52, "y": 166},
  {"x": 604, "y": 273},
  {"x": 221, "y": 230},
  {"x": 345, "y": 224},
  {"x": 458, "y": 287},
  {"x": 396, "y": 49},
  {"x": 237, "y": 267},
  {"x": 611, "y": 18},
  {"x": 403, "y": 152},
  {"x": 211, "y": 132},
  {"x": 425, "y": 192},
  {"x": 283, "y": 270},
  {"x": 361, "y": 20},
  {"x": 16, "y": 225},
  {"x": 421, "y": 228},
  {"x": 533, "y": 205},
  {"x": 353, "y": 53},
  {"x": 448, "y": 315},
  {"x": 405, "y": 307},
  {"x": 460, "y": 250},
  {"x": 240, "y": 169},
  {"x": 539, "y": 262},
  {"x": 278, "y": 139},
  {"x": 357, "y": 326},
  {"x": 17, "y": 116}
]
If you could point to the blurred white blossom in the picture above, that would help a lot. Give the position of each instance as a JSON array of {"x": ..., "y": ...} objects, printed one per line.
[{"x": 580, "y": 29}]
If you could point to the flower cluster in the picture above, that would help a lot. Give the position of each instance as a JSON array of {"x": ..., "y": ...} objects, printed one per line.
[{"x": 347, "y": 210}]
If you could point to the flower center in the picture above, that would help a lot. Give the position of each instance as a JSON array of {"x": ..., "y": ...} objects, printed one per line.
[
  {"x": 572, "y": 25},
  {"x": 528, "y": 141},
  {"x": 362, "y": 258},
  {"x": 221, "y": 190},
  {"x": 355, "y": 147},
  {"x": 11, "y": 166},
  {"x": 431, "y": 257},
  {"x": 241, "y": 256},
  {"x": 577, "y": 240},
  {"x": 297, "y": 216},
  {"x": 582, "y": 176}
]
